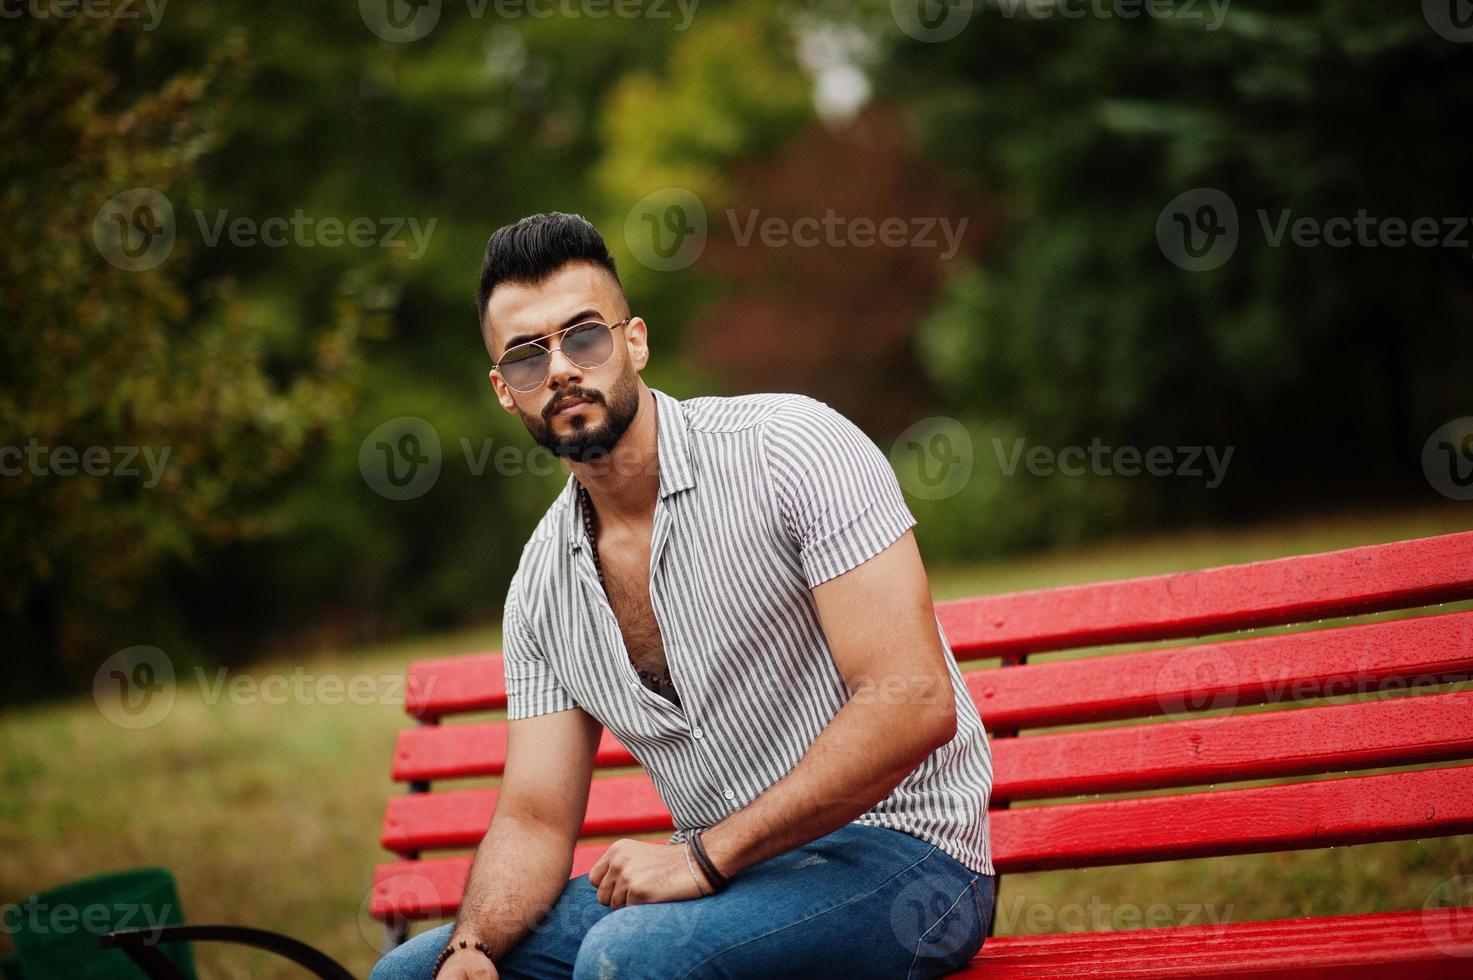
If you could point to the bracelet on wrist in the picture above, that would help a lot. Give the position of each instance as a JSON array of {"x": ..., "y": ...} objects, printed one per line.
[
  {"x": 693, "y": 876},
  {"x": 715, "y": 877},
  {"x": 449, "y": 950}
]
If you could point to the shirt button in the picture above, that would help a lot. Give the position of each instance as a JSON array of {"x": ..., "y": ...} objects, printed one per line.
[
  {"x": 729, "y": 795},
  {"x": 698, "y": 733}
]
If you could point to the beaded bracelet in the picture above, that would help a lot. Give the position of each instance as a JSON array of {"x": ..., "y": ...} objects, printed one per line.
[
  {"x": 717, "y": 879},
  {"x": 448, "y": 950}
]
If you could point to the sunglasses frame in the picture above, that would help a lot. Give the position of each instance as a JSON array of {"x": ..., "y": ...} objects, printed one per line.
[{"x": 538, "y": 342}]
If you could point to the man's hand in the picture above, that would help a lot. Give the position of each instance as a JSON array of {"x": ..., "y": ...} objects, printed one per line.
[
  {"x": 468, "y": 964},
  {"x": 637, "y": 872}
]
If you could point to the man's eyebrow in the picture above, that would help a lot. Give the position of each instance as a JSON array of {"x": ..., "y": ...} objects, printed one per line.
[{"x": 578, "y": 317}]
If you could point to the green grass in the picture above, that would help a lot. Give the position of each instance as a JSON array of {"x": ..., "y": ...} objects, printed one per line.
[{"x": 269, "y": 814}]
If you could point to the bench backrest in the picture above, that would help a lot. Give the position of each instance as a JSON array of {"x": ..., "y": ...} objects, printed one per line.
[{"x": 1180, "y": 703}]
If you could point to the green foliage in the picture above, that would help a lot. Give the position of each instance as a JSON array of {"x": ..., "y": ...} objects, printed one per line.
[
  {"x": 119, "y": 370},
  {"x": 1077, "y": 326},
  {"x": 263, "y": 370}
]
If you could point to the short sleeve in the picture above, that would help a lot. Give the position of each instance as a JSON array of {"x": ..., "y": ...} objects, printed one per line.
[
  {"x": 532, "y": 688},
  {"x": 834, "y": 489}
]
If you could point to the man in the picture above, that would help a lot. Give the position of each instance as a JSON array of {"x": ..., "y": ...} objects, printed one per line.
[{"x": 731, "y": 586}]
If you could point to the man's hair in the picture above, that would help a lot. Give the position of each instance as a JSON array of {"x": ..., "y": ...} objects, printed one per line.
[{"x": 532, "y": 249}]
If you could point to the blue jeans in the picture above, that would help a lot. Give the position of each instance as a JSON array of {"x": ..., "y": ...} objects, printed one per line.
[{"x": 859, "y": 902}]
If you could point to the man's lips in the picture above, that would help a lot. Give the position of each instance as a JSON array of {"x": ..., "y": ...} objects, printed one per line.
[{"x": 569, "y": 405}]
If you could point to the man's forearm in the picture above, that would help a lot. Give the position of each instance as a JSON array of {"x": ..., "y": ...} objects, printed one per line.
[
  {"x": 859, "y": 757},
  {"x": 519, "y": 871}
]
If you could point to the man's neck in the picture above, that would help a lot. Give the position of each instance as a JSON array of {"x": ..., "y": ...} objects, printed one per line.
[{"x": 625, "y": 485}]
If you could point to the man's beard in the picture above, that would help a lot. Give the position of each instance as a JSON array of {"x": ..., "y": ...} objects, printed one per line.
[{"x": 594, "y": 440}]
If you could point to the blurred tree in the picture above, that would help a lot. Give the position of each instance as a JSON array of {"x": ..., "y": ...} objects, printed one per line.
[
  {"x": 1326, "y": 366},
  {"x": 141, "y": 419}
]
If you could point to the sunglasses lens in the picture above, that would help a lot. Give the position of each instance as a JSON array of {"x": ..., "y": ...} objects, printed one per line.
[
  {"x": 524, "y": 367},
  {"x": 588, "y": 345}
]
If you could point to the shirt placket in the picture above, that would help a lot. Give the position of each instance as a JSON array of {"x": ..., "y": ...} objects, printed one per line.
[{"x": 674, "y": 654}]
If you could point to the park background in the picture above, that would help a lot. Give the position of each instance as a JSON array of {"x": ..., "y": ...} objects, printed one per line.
[{"x": 1064, "y": 144}]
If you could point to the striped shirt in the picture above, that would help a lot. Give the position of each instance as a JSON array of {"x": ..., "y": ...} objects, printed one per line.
[{"x": 761, "y": 498}]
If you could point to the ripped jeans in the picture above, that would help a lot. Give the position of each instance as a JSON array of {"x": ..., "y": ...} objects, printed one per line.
[{"x": 859, "y": 902}]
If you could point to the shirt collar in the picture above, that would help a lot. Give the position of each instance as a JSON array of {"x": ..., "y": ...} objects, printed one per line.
[{"x": 677, "y": 470}]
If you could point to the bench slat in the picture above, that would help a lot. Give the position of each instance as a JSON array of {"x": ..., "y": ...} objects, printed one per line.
[
  {"x": 1329, "y": 662},
  {"x": 422, "y": 821},
  {"x": 1374, "y": 578},
  {"x": 1383, "y": 945},
  {"x": 1351, "y": 810},
  {"x": 431, "y": 752},
  {"x": 1310, "y": 741},
  {"x": 455, "y": 685}
]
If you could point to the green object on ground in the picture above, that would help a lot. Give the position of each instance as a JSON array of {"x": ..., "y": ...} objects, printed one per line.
[{"x": 56, "y": 930}]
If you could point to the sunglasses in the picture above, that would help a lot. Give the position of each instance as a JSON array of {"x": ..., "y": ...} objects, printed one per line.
[{"x": 587, "y": 344}]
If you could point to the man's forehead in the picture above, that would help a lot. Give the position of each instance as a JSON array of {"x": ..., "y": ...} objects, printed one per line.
[{"x": 519, "y": 311}]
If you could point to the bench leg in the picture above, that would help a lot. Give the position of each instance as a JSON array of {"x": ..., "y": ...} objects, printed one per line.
[{"x": 396, "y": 934}]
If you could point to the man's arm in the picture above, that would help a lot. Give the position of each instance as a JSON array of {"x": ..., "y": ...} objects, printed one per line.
[
  {"x": 881, "y": 628},
  {"x": 524, "y": 861}
]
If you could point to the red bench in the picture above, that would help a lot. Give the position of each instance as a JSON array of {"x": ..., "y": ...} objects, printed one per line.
[{"x": 1191, "y": 752}]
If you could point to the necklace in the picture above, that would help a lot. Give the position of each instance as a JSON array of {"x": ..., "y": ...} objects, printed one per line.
[{"x": 659, "y": 682}]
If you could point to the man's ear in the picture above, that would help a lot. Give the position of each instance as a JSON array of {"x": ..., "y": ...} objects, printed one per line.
[
  {"x": 636, "y": 342},
  {"x": 503, "y": 393}
]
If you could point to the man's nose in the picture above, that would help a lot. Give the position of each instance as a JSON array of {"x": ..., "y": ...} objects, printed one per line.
[{"x": 560, "y": 370}]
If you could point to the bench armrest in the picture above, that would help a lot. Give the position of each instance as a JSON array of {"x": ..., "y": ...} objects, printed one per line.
[{"x": 141, "y": 946}]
